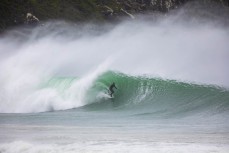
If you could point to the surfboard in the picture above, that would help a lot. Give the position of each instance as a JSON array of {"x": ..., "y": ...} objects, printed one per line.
[{"x": 109, "y": 94}]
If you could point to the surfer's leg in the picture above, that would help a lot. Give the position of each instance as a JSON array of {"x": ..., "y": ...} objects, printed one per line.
[{"x": 111, "y": 92}]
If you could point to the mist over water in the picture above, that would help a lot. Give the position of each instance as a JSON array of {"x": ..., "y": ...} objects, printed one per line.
[
  {"x": 171, "y": 72},
  {"x": 167, "y": 48}
]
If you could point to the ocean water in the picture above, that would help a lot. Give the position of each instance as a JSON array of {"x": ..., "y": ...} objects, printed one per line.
[{"x": 171, "y": 73}]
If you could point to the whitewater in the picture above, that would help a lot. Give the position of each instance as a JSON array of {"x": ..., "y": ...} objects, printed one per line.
[{"x": 171, "y": 72}]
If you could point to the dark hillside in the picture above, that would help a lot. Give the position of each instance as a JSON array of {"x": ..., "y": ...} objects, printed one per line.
[{"x": 14, "y": 12}]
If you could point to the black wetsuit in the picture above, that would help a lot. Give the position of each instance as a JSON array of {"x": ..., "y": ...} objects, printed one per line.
[{"x": 111, "y": 89}]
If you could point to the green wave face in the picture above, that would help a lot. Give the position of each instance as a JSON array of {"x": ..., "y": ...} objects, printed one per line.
[
  {"x": 156, "y": 96},
  {"x": 152, "y": 96}
]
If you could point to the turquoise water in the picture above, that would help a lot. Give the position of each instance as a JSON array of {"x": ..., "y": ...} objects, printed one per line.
[
  {"x": 145, "y": 112},
  {"x": 149, "y": 113},
  {"x": 153, "y": 97}
]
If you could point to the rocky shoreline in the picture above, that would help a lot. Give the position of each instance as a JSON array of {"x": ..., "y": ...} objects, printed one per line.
[{"x": 20, "y": 12}]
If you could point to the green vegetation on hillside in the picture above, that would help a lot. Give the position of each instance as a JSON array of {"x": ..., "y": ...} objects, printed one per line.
[{"x": 13, "y": 12}]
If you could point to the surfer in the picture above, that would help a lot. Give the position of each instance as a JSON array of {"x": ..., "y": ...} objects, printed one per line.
[{"x": 111, "y": 88}]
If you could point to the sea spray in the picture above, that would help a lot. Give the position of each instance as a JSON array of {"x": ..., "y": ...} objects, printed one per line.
[
  {"x": 171, "y": 74},
  {"x": 40, "y": 98},
  {"x": 167, "y": 48}
]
